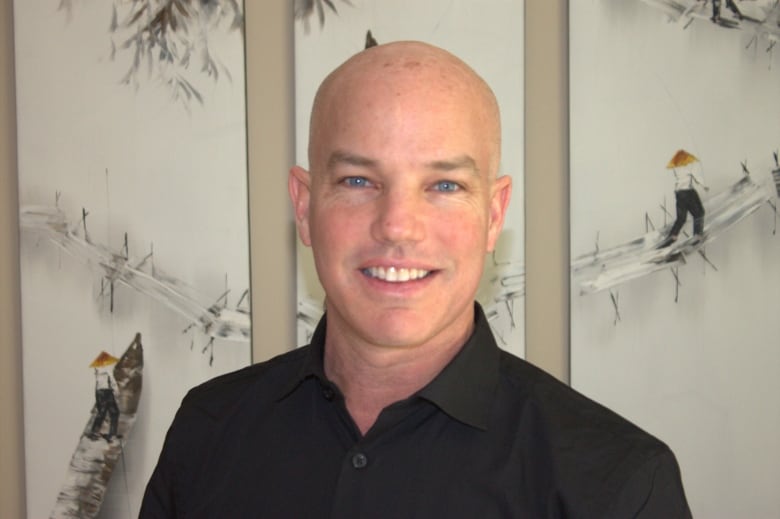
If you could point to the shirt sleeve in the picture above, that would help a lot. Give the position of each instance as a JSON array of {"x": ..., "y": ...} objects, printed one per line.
[{"x": 654, "y": 492}]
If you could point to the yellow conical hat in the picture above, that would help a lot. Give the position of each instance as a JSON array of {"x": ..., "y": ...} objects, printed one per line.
[
  {"x": 681, "y": 158},
  {"x": 103, "y": 360}
]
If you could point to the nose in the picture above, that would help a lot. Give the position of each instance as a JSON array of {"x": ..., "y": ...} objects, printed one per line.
[{"x": 399, "y": 218}]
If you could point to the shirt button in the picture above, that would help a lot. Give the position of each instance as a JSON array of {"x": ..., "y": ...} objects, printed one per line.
[
  {"x": 359, "y": 460},
  {"x": 328, "y": 394}
]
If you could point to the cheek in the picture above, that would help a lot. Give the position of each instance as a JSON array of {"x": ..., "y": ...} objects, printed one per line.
[
  {"x": 332, "y": 230},
  {"x": 465, "y": 232}
]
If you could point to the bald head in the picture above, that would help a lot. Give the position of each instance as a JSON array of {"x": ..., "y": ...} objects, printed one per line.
[{"x": 411, "y": 76}]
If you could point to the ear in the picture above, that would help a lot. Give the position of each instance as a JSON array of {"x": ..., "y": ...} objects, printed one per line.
[
  {"x": 499, "y": 201},
  {"x": 299, "y": 186}
]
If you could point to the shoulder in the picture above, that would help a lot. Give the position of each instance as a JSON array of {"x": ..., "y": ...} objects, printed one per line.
[
  {"x": 208, "y": 421},
  {"x": 260, "y": 381},
  {"x": 598, "y": 460},
  {"x": 561, "y": 409},
  {"x": 208, "y": 410}
]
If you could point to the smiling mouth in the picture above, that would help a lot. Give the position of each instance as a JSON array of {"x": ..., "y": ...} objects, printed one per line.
[{"x": 396, "y": 274}]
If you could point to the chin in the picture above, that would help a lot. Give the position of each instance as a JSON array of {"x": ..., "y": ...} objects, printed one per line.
[
  {"x": 396, "y": 334},
  {"x": 410, "y": 330}
]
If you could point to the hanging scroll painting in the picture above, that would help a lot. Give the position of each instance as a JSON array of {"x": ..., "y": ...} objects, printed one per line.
[
  {"x": 134, "y": 234},
  {"x": 675, "y": 118}
]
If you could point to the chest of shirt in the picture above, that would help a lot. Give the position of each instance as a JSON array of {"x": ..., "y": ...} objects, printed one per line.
[{"x": 303, "y": 457}]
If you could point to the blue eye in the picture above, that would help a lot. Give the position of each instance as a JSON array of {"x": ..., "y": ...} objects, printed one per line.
[
  {"x": 355, "y": 181},
  {"x": 446, "y": 186}
]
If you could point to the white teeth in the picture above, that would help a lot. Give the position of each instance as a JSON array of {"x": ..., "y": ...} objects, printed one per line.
[{"x": 396, "y": 275}]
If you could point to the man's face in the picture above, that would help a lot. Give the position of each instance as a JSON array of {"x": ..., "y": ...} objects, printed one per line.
[{"x": 400, "y": 208}]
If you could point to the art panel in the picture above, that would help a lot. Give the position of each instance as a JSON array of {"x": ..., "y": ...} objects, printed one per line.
[
  {"x": 134, "y": 231},
  {"x": 488, "y": 35},
  {"x": 675, "y": 130}
]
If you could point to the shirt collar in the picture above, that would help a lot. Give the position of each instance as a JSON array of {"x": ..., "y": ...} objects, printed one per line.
[
  {"x": 464, "y": 389},
  {"x": 313, "y": 361}
]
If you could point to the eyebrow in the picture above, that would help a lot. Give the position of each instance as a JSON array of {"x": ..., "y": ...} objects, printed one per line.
[
  {"x": 350, "y": 159},
  {"x": 455, "y": 163},
  {"x": 340, "y": 157}
]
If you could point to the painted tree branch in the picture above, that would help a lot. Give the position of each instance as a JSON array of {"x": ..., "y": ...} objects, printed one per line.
[{"x": 165, "y": 38}]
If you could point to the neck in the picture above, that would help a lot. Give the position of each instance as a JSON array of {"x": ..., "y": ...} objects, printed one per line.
[{"x": 373, "y": 377}]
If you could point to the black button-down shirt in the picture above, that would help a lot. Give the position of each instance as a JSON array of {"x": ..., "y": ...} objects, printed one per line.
[{"x": 490, "y": 437}]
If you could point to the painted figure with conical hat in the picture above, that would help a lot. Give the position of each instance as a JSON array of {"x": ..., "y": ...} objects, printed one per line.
[
  {"x": 683, "y": 165},
  {"x": 730, "y": 4},
  {"x": 105, "y": 396}
]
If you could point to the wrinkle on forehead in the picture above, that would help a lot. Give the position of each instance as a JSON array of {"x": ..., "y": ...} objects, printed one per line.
[{"x": 410, "y": 68}]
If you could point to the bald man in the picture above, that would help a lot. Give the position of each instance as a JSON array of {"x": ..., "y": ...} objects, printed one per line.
[{"x": 403, "y": 406}]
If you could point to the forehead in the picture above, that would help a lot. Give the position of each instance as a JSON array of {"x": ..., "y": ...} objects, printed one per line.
[
  {"x": 420, "y": 76},
  {"x": 403, "y": 106}
]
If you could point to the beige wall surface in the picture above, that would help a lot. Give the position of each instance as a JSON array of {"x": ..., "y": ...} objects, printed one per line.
[
  {"x": 11, "y": 434},
  {"x": 547, "y": 186},
  {"x": 270, "y": 149}
]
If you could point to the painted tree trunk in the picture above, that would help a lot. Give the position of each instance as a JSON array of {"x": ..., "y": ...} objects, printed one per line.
[{"x": 95, "y": 456}]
